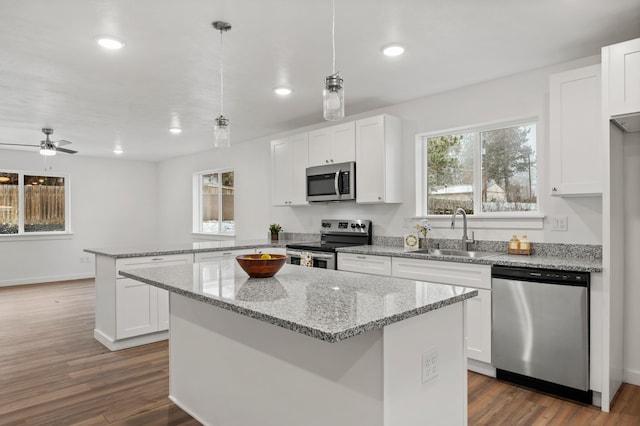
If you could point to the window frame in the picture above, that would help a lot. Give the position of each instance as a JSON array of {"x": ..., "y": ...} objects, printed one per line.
[
  {"x": 21, "y": 206},
  {"x": 197, "y": 183},
  {"x": 524, "y": 219}
]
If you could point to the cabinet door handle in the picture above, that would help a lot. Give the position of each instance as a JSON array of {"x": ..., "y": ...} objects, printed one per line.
[
  {"x": 157, "y": 258},
  {"x": 361, "y": 257},
  {"x": 554, "y": 189}
]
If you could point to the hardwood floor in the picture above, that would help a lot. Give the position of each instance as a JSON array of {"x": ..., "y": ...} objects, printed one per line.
[{"x": 53, "y": 372}]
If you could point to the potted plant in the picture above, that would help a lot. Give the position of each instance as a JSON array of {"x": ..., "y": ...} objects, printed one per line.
[{"x": 274, "y": 229}]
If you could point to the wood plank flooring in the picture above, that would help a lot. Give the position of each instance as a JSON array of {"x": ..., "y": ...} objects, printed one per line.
[{"x": 53, "y": 372}]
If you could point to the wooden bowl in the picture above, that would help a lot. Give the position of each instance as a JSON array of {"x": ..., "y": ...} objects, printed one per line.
[{"x": 256, "y": 267}]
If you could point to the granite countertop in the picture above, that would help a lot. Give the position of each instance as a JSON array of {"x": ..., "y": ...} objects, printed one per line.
[
  {"x": 197, "y": 247},
  {"x": 325, "y": 304},
  {"x": 501, "y": 259}
]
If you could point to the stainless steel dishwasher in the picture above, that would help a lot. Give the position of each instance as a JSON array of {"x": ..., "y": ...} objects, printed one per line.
[{"x": 540, "y": 330}]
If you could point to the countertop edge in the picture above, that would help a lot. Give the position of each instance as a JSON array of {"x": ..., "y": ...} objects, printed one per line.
[{"x": 303, "y": 329}]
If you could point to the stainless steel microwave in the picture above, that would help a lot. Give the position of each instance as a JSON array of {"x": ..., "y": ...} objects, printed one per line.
[{"x": 332, "y": 182}]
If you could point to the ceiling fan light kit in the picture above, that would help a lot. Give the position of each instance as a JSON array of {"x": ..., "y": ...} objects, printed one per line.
[
  {"x": 221, "y": 129},
  {"x": 333, "y": 93}
]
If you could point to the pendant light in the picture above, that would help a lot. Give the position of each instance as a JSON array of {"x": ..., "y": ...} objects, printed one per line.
[
  {"x": 221, "y": 130},
  {"x": 333, "y": 93}
]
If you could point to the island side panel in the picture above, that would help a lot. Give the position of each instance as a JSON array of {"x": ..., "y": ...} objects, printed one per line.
[
  {"x": 105, "y": 318},
  {"x": 433, "y": 393},
  {"x": 228, "y": 369}
]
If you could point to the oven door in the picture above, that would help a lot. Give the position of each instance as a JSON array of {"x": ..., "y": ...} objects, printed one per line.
[{"x": 320, "y": 259}]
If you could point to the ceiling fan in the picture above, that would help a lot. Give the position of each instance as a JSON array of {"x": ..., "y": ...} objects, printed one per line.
[{"x": 48, "y": 147}]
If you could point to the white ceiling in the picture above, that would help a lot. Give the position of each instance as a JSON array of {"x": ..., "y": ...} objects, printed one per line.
[{"x": 53, "y": 74}]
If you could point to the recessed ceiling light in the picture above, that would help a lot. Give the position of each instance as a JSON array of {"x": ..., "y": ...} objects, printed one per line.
[
  {"x": 109, "y": 42},
  {"x": 118, "y": 151},
  {"x": 282, "y": 91},
  {"x": 175, "y": 130},
  {"x": 393, "y": 50}
]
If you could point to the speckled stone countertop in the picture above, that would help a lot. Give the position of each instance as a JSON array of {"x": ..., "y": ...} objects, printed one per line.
[
  {"x": 501, "y": 259},
  {"x": 198, "y": 247},
  {"x": 325, "y": 304}
]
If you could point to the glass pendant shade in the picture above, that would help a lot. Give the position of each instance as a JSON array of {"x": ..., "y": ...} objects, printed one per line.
[
  {"x": 333, "y": 98},
  {"x": 221, "y": 133}
]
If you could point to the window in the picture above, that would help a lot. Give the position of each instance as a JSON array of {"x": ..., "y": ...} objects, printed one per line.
[
  {"x": 214, "y": 202},
  {"x": 32, "y": 203},
  {"x": 484, "y": 170}
]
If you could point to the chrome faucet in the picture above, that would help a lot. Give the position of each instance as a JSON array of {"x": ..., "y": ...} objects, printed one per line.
[{"x": 465, "y": 239}]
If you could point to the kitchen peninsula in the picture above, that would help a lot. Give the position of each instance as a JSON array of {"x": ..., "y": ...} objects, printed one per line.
[{"x": 312, "y": 346}]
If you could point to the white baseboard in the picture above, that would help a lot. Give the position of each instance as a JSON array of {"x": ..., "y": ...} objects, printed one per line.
[
  {"x": 46, "y": 279},
  {"x": 481, "y": 367},
  {"x": 631, "y": 376},
  {"x": 117, "y": 345}
]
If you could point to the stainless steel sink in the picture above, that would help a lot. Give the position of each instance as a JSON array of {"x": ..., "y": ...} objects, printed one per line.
[{"x": 459, "y": 253}]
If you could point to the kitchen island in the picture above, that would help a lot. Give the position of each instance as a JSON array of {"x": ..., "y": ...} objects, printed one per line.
[{"x": 313, "y": 346}]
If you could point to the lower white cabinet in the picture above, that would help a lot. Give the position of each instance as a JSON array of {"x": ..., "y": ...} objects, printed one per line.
[
  {"x": 137, "y": 309},
  {"x": 130, "y": 313},
  {"x": 460, "y": 274},
  {"x": 367, "y": 264}
]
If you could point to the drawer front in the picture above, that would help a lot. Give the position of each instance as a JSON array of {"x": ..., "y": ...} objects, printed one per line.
[
  {"x": 220, "y": 255},
  {"x": 151, "y": 261},
  {"x": 367, "y": 264},
  {"x": 462, "y": 274}
]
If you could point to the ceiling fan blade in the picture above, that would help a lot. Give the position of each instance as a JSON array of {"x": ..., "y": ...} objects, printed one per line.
[
  {"x": 66, "y": 151},
  {"x": 18, "y": 144},
  {"x": 61, "y": 142}
]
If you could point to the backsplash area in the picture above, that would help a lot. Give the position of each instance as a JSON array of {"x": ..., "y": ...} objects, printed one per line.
[{"x": 580, "y": 251}]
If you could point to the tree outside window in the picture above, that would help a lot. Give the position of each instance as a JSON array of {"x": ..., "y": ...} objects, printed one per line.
[{"x": 480, "y": 170}]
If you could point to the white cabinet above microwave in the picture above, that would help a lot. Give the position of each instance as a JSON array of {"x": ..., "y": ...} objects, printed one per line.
[{"x": 332, "y": 144}]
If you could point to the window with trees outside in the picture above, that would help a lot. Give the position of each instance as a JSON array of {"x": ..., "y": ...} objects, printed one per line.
[
  {"x": 214, "y": 202},
  {"x": 485, "y": 171},
  {"x": 32, "y": 203}
]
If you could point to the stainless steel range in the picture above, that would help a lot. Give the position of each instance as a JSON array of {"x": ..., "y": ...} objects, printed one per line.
[{"x": 333, "y": 234}]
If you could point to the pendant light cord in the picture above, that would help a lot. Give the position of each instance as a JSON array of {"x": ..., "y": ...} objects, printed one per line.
[
  {"x": 221, "y": 79},
  {"x": 333, "y": 33}
]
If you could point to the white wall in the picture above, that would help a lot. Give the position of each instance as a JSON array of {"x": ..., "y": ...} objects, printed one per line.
[
  {"x": 113, "y": 203},
  {"x": 632, "y": 254},
  {"x": 250, "y": 162}
]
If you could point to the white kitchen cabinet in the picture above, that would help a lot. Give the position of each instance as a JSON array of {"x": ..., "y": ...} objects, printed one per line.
[
  {"x": 368, "y": 264},
  {"x": 130, "y": 313},
  {"x": 332, "y": 144},
  {"x": 624, "y": 77},
  {"x": 289, "y": 159},
  {"x": 378, "y": 160},
  {"x": 136, "y": 308},
  {"x": 220, "y": 255},
  {"x": 460, "y": 274},
  {"x": 575, "y": 148}
]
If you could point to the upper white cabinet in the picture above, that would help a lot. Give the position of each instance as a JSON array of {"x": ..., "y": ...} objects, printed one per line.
[
  {"x": 575, "y": 147},
  {"x": 624, "y": 77},
  {"x": 333, "y": 144},
  {"x": 289, "y": 160},
  {"x": 378, "y": 160}
]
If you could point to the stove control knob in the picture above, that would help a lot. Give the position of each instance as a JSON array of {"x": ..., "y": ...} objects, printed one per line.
[{"x": 353, "y": 225}]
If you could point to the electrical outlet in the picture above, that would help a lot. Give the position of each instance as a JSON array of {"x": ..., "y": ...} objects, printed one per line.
[
  {"x": 429, "y": 365},
  {"x": 559, "y": 223}
]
